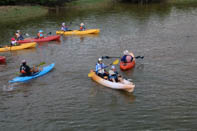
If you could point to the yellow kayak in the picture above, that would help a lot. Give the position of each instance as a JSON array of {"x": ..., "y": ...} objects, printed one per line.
[
  {"x": 77, "y": 32},
  {"x": 18, "y": 47}
]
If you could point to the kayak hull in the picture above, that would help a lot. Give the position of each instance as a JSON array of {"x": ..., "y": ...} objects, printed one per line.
[
  {"x": 126, "y": 85},
  {"x": 18, "y": 47},
  {"x": 77, "y": 32},
  {"x": 127, "y": 66},
  {"x": 44, "y": 71},
  {"x": 45, "y": 39},
  {"x": 2, "y": 59}
]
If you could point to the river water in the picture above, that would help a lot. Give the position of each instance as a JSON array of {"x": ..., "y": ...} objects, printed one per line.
[{"x": 66, "y": 99}]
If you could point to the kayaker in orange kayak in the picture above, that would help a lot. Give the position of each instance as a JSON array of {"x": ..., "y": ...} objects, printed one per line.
[
  {"x": 127, "y": 57},
  {"x": 100, "y": 71},
  {"x": 19, "y": 35},
  {"x": 25, "y": 70},
  {"x": 82, "y": 27},
  {"x": 40, "y": 34}
]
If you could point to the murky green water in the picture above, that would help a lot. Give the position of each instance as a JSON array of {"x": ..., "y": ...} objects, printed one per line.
[{"x": 66, "y": 99}]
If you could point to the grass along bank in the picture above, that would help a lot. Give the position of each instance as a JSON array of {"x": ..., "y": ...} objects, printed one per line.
[{"x": 20, "y": 13}]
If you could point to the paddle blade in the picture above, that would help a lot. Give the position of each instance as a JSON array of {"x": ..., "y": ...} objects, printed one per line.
[
  {"x": 116, "y": 62},
  {"x": 42, "y": 63},
  {"x": 90, "y": 74}
]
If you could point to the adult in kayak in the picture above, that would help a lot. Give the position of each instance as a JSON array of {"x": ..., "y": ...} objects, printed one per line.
[
  {"x": 100, "y": 71},
  {"x": 64, "y": 27},
  {"x": 127, "y": 57},
  {"x": 40, "y": 34},
  {"x": 82, "y": 27},
  {"x": 114, "y": 75},
  {"x": 25, "y": 70},
  {"x": 19, "y": 35}
]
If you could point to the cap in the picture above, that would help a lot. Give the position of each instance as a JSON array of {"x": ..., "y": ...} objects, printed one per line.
[
  {"x": 17, "y": 31},
  {"x": 126, "y": 52},
  {"x": 13, "y": 38},
  {"x": 99, "y": 59}
]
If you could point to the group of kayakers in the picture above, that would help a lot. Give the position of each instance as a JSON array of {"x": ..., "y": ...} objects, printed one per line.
[
  {"x": 112, "y": 74},
  {"x": 65, "y": 27}
]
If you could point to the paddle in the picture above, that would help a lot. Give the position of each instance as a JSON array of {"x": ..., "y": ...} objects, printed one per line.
[
  {"x": 108, "y": 57},
  {"x": 42, "y": 63},
  {"x": 113, "y": 63}
]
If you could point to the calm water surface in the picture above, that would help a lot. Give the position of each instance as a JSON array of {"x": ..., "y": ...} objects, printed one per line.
[{"x": 66, "y": 99}]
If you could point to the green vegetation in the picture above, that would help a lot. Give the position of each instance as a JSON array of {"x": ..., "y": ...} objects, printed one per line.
[
  {"x": 182, "y": 1},
  {"x": 18, "y": 13},
  {"x": 40, "y": 2}
]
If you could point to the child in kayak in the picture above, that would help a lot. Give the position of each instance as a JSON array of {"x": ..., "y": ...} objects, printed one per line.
[
  {"x": 18, "y": 35},
  {"x": 64, "y": 27},
  {"x": 127, "y": 57},
  {"x": 25, "y": 70},
  {"x": 114, "y": 76},
  {"x": 82, "y": 27},
  {"x": 100, "y": 68},
  {"x": 13, "y": 42},
  {"x": 40, "y": 34}
]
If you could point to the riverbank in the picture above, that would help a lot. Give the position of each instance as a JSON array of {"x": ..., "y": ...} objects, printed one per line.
[{"x": 20, "y": 13}]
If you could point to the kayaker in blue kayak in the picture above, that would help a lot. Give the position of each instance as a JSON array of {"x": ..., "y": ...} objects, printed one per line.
[
  {"x": 19, "y": 35},
  {"x": 100, "y": 68},
  {"x": 64, "y": 27},
  {"x": 25, "y": 70},
  {"x": 82, "y": 27},
  {"x": 127, "y": 57}
]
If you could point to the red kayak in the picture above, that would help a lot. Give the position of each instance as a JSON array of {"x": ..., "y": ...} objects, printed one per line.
[
  {"x": 130, "y": 65},
  {"x": 2, "y": 59},
  {"x": 45, "y": 39}
]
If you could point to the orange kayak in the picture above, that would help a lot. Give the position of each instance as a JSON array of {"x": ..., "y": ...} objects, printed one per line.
[{"x": 127, "y": 66}]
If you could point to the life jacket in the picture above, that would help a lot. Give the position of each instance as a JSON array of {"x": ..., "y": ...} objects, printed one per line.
[
  {"x": 40, "y": 35},
  {"x": 82, "y": 28}
]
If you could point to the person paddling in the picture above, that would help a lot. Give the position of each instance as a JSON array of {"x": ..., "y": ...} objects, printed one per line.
[
  {"x": 82, "y": 27},
  {"x": 18, "y": 35},
  {"x": 64, "y": 27},
  {"x": 40, "y": 34},
  {"x": 25, "y": 70},
  {"x": 127, "y": 57},
  {"x": 100, "y": 68}
]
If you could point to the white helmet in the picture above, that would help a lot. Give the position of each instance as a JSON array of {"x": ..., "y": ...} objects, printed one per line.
[
  {"x": 23, "y": 61},
  {"x": 126, "y": 52},
  {"x": 113, "y": 67},
  {"x": 82, "y": 24},
  {"x": 99, "y": 59}
]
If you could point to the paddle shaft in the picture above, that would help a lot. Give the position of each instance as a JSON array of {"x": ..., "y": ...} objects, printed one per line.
[{"x": 108, "y": 57}]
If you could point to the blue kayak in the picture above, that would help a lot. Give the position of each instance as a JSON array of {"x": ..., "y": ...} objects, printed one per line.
[{"x": 44, "y": 71}]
